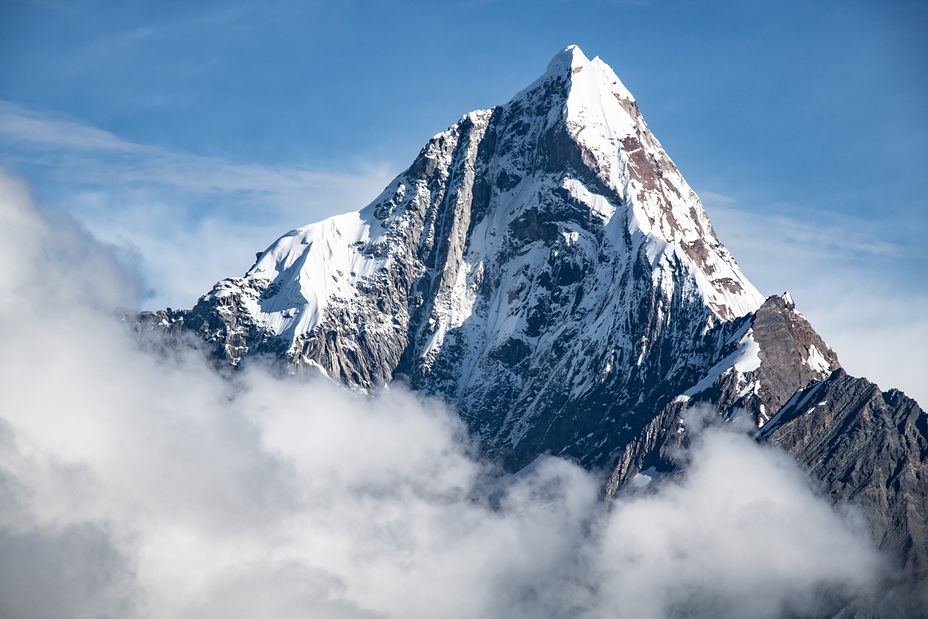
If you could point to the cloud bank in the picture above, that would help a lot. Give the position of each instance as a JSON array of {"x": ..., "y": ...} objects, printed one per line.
[{"x": 139, "y": 485}]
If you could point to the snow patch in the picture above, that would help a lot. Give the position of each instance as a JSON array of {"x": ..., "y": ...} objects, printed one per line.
[
  {"x": 817, "y": 361},
  {"x": 745, "y": 359},
  {"x": 309, "y": 267},
  {"x": 645, "y": 477}
]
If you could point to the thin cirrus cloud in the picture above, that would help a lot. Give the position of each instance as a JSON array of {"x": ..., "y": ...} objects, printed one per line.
[
  {"x": 174, "y": 209},
  {"x": 42, "y": 139},
  {"x": 170, "y": 492}
]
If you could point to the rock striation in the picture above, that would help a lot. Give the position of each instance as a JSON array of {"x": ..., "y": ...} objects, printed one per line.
[{"x": 868, "y": 447}]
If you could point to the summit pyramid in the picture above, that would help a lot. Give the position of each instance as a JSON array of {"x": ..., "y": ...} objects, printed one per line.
[{"x": 536, "y": 259}]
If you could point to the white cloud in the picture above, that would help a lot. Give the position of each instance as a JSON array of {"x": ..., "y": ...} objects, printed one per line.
[
  {"x": 740, "y": 537},
  {"x": 136, "y": 485},
  {"x": 81, "y": 149}
]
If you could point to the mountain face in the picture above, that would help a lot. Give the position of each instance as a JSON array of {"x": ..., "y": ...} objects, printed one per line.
[
  {"x": 544, "y": 267},
  {"x": 869, "y": 447},
  {"x": 772, "y": 354}
]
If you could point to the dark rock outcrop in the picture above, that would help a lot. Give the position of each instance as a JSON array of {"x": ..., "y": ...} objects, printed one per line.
[{"x": 869, "y": 448}]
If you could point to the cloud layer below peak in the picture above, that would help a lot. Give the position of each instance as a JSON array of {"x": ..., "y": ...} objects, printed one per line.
[{"x": 140, "y": 484}]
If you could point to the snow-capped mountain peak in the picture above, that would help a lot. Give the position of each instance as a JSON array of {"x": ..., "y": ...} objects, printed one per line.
[
  {"x": 603, "y": 119},
  {"x": 534, "y": 256},
  {"x": 570, "y": 62},
  {"x": 544, "y": 268}
]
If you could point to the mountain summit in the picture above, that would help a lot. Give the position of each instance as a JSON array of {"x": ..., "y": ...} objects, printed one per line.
[
  {"x": 544, "y": 268},
  {"x": 536, "y": 260}
]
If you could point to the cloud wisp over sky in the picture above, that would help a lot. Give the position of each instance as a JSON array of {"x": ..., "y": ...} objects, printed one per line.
[
  {"x": 139, "y": 483},
  {"x": 193, "y": 219},
  {"x": 846, "y": 280}
]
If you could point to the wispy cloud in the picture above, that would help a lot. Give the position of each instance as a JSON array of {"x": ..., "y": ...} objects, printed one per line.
[
  {"x": 192, "y": 23},
  {"x": 177, "y": 209},
  {"x": 100, "y": 156},
  {"x": 31, "y": 128}
]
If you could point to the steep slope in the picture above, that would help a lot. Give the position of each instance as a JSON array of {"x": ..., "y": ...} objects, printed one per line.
[
  {"x": 868, "y": 447},
  {"x": 770, "y": 355},
  {"x": 541, "y": 265}
]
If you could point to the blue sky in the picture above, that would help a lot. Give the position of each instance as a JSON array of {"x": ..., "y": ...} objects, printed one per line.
[{"x": 192, "y": 134}]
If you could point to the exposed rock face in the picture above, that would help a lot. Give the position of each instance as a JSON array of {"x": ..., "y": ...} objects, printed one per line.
[
  {"x": 769, "y": 355},
  {"x": 868, "y": 447},
  {"x": 775, "y": 353}
]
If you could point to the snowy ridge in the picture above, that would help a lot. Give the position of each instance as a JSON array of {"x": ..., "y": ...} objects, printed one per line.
[
  {"x": 311, "y": 265},
  {"x": 604, "y": 120},
  {"x": 744, "y": 359}
]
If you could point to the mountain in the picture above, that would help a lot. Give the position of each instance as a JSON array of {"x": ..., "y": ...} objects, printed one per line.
[{"x": 544, "y": 267}]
